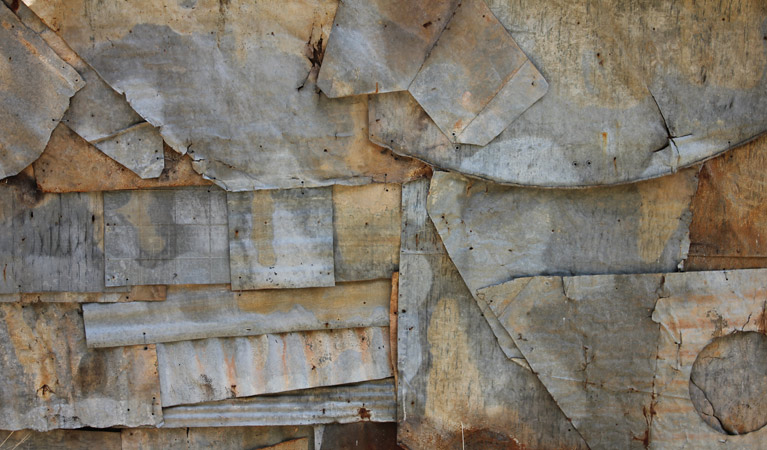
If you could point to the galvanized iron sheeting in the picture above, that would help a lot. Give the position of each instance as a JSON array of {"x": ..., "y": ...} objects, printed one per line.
[
  {"x": 373, "y": 400},
  {"x": 217, "y": 369},
  {"x": 233, "y": 438},
  {"x": 52, "y": 380},
  {"x": 197, "y": 312},
  {"x": 166, "y": 236},
  {"x": 281, "y": 238}
]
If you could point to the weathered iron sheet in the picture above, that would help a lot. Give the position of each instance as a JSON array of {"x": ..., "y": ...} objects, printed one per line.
[
  {"x": 35, "y": 87},
  {"x": 272, "y": 134},
  {"x": 455, "y": 386},
  {"x": 230, "y": 438},
  {"x": 293, "y": 444},
  {"x": 366, "y": 231},
  {"x": 281, "y": 239},
  {"x": 475, "y": 63},
  {"x": 60, "y": 440},
  {"x": 729, "y": 221},
  {"x": 635, "y": 93},
  {"x": 166, "y": 236},
  {"x": 70, "y": 164},
  {"x": 591, "y": 341},
  {"x": 99, "y": 114},
  {"x": 134, "y": 294},
  {"x": 373, "y": 400},
  {"x": 217, "y": 369},
  {"x": 192, "y": 312},
  {"x": 49, "y": 242},
  {"x": 52, "y": 380},
  {"x": 362, "y": 435},
  {"x": 379, "y": 46},
  {"x": 393, "y": 321}
]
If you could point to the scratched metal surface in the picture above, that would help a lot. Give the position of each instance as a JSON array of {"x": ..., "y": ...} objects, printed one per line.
[
  {"x": 198, "y": 312},
  {"x": 373, "y": 401},
  {"x": 35, "y": 88},
  {"x": 52, "y": 380},
  {"x": 281, "y": 239},
  {"x": 221, "y": 368},
  {"x": 166, "y": 236},
  {"x": 231, "y": 438}
]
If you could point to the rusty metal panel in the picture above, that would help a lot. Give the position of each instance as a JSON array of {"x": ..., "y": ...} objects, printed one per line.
[
  {"x": 729, "y": 222},
  {"x": 166, "y": 236},
  {"x": 294, "y": 444},
  {"x": 366, "y": 231},
  {"x": 52, "y": 380},
  {"x": 634, "y": 94},
  {"x": 134, "y": 294},
  {"x": 60, "y": 440},
  {"x": 197, "y": 312},
  {"x": 49, "y": 242},
  {"x": 71, "y": 164},
  {"x": 220, "y": 368},
  {"x": 281, "y": 239},
  {"x": 379, "y": 46},
  {"x": 36, "y": 88},
  {"x": 272, "y": 134},
  {"x": 362, "y": 435},
  {"x": 456, "y": 387},
  {"x": 230, "y": 438},
  {"x": 371, "y": 401}
]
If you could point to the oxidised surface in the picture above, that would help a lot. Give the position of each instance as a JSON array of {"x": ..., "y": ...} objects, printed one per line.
[
  {"x": 60, "y": 440},
  {"x": 235, "y": 438}
]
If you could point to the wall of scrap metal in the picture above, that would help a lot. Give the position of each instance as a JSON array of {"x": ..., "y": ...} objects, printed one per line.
[{"x": 380, "y": 224}]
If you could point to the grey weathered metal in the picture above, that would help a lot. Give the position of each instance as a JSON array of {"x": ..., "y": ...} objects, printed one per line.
[
  {"x": 166, "y": 236},
  {"x": 197, "y": 312},
  {"x": 231, "y": 438},
  {"x": 373, "y": 400},
  {"x": 112, "y": 295},
  {"x": 35, "y": 87},
  {"x": 281, "y": 238},
  {"x": 220, "y": 368}
]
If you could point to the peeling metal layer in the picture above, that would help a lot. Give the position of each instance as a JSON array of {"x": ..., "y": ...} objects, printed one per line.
[
  {"x": 49, "y": 242},
  {"x": 476, "y": 80},
  {"x": 366, "y": 231},
  {"x": 52, "y": 380},
  {"x": 191, "y": 312},
  {"x": 71, "y": 164},
  {"x": 634, "y": 93},
  {"x": 166, "y": 236},
  {"x": 730, "y": 211},
  {"x": 281, "y": 239},
  {"x": 60, "y": 440},
  {"x": 216, "y": 369},
  {"x": 35, "y": 88},
  {"x": 99, "y": 114},
  {"x": 231, "y": 438},
  {"x": 372, "y": 401},
  {"x": 134, "y": 294},
  {"x": 379, "y": 45},
  {"x": 271, "y": 134},
  {"x": 455, "y": 386}
]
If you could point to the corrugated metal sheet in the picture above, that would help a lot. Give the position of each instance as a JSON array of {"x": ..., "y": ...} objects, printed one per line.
[
  {"x": 37, "y": 86},
  {"x": 281, "y": 238},
  {"x": 135, "y": 294},
  {"x": 191, "y": 312},
  {"x": 373, "y": 400},
  {"x": 634, "y": 94},
  {"x": 60, "y": 440},
  {"x": 366, "y": 231},
  {"x": 456, "y": 387},
  {"x": 52, "y": 380},
  {"x": 217, "y": 369},
  {"x": 274, "y": 133},
  {"x": 166, "y": 236},
  {"x": 233, "y": 438}
]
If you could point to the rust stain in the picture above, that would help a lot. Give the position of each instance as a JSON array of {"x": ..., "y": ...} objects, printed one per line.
[
  {"x": 761, "y": 321},
  {"x": 262, "y": 209},
  {"x": 364, "y": 413},
  {"x": 393, "y": 304}
]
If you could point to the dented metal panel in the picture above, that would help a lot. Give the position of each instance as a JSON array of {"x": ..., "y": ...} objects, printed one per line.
[
  {"x": 456, "y": 387},
  {"x": 271, "y": 134},
  {"x": 192, "y": 312},
  {"x": 166, "y": 236},
  {"x": 281, "y": 239},
  {"x": 366, "y": 231},
  {"x": 634, "y": 93},
  {"x": 52, "y": 380},
  {"x": 232, "y": 438},
  {"x": 60, "y": 440},
  {"x": 35, "y": 87},
  {"x": 221, "y": 368},
  {"x": 71, "y": 164},
  {"x": 370, "y": 401}
]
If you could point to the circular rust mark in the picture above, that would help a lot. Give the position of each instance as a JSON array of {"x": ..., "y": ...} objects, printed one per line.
[{"x": 728, "y": 383}]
